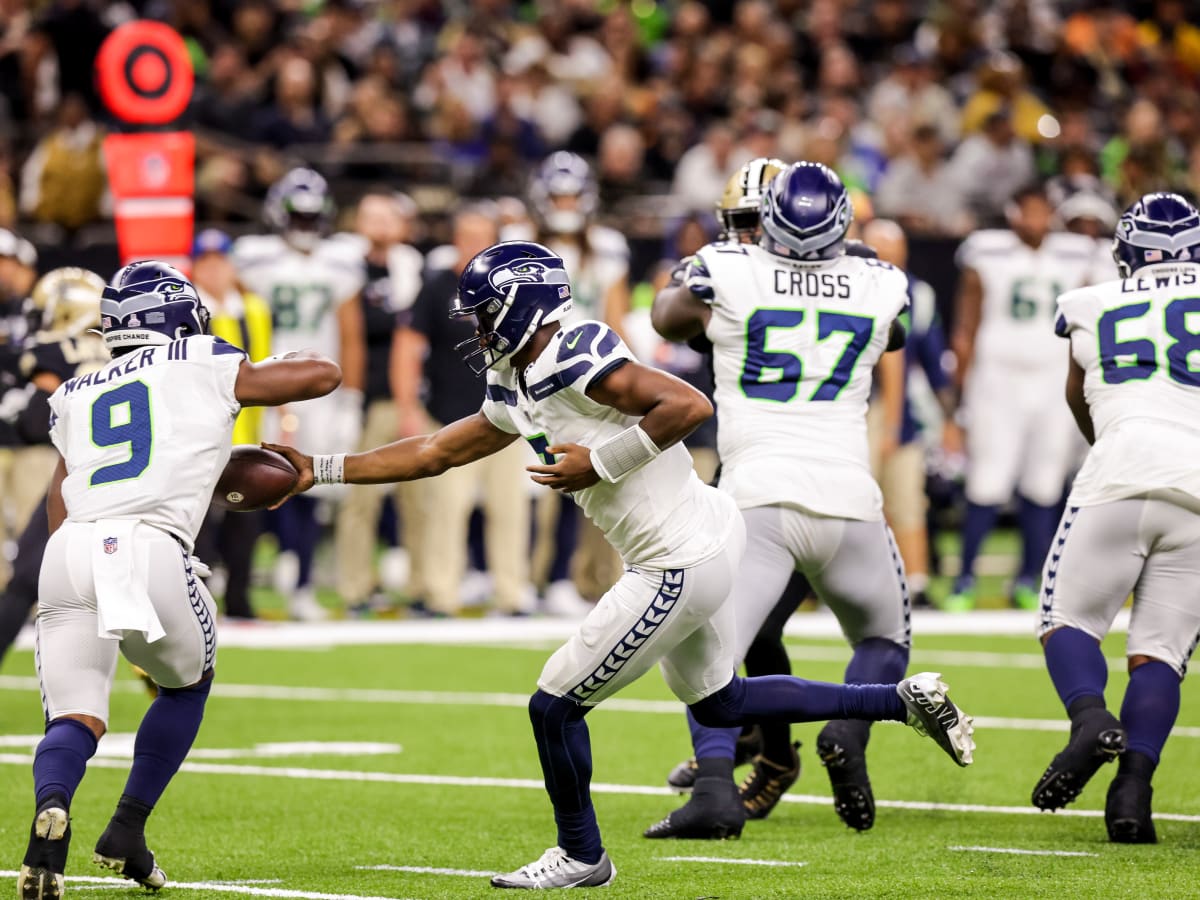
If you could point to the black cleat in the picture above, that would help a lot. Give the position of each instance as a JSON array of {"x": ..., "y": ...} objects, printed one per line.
[
  {"x": 1096, "y": 738},
  {"x": 749, "y": 745},
  {"x": 41, "y": 875},
  {"x": 763, "y": 788},
  {"x": 841, "y": 747},
  {"x": 1127, "y": 809},
  {"x": 125, "y": 852},
  {"x": 713, "y": 812}
]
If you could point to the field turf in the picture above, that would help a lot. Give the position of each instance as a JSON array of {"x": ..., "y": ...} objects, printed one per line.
[{"x": 461, "y": 793}]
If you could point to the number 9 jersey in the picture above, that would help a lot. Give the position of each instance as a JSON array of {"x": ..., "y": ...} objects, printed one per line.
[
  {"x": 1138, "y": 343},
  {"x": 146, "y": 436},
  {"x": 794, "y": 345}
]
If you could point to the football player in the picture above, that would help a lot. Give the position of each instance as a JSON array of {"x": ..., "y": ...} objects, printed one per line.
[
  {"x": 142, "y": 443},
  {"x": 311, "y": 283},
  {"x": 797, "y": 325},
  {"x": 1008, "y": 367},
  {"x": 63, "y": 312},
  {"x": 1132, "y": 521},
  {"x": 608, "y": 431}
]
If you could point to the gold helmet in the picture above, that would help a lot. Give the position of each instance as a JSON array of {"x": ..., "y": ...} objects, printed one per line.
[
  {"x": 66, "y": 302},
  {"x": 738, "y": 209}
]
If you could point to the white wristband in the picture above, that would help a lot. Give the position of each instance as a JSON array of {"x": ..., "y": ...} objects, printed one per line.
[
  {"x": 329, "y": 469},
  {"x": 623, "y": 453}
]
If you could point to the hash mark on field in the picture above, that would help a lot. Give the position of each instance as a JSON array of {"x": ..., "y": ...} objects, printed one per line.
[
  {"x": 730, "y": 861},
  {"x": 537, "y": 784},
  {"x": 222, "y": 887},
  {"x": 428, "y": 870},
  {"x": 1016, "y": 851}
]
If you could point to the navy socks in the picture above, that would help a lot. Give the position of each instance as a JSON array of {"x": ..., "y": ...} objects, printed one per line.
[
  {"x": 61, "y": 759},
  {"x": 1150, "y": 707},
  {"x": 977, "y": 524},
  {"x": 1076, "y": 665},
  {"x": 877, "y": 661},
  {"x": 565, "y": 751},
  {"x": 784, "y": 698},
  {"x": 1038, "y": 524}
]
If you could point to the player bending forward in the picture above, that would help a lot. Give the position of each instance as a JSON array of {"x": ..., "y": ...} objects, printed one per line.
[
  {"x": 608, "y": 431},
  {"x": 142, "y": 443},
  {"x": 1132, "y": 522}
]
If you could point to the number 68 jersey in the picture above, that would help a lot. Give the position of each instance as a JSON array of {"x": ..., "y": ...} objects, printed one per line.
[
  {"x": 147, "y": 436},
  {"x": 794, "y": 345},
  {"x": 1138, "y": 343}
]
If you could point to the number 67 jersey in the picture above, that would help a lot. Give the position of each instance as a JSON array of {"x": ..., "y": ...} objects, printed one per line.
[
  {"x": 794, "y": 345},
  {"x": 1138, "y": 343},
  {"x": 147, "y": 436}
]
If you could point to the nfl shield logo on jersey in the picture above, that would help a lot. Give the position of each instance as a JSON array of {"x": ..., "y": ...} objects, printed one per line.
[{"x": 110, "y": 545}]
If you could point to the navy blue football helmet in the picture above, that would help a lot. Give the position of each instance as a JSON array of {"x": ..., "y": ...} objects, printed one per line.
[
  {"x": 1157, "y": 228},
  {"x": 563, "y": 174},
  {"x": 148, "y": 303},
  {"x": 511, "y": 289},
  {"x": 300, "y": 207},
  {"x": 805, "y": 213}
]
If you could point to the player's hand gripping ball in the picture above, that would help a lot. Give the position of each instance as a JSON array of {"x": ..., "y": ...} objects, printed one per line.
[{"x": 254, "y": 478}]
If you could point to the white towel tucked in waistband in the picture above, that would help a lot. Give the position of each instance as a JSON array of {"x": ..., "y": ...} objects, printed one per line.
[{"x": 122, "y": 596}]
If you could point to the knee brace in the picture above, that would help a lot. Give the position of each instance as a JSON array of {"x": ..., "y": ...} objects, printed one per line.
[{"x": 722, "y": 709}]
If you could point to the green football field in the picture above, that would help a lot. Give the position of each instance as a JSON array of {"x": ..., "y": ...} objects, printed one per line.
[{"x": 410, "y": 772}]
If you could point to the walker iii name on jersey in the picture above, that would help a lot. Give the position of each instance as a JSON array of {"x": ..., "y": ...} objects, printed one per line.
[
  {"x": 146, "y": 436},
  {"x": 794, "y": 346}
]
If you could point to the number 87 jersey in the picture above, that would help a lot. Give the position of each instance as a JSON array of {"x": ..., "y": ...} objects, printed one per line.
[
  {"x": 794, "y": 345},
  {"x": 1138, "y": 344}
]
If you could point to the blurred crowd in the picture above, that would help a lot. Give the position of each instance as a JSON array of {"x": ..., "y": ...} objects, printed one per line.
[{"x": 935, "y": 114}]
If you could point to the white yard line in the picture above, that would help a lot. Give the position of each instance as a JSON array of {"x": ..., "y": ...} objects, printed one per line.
[
  {"x": 502, "y": 632},
  {"x": 499, "y": 699},
  {"x": 537, "y": 784},
  {"x": 1016, "y": 851},
  {"x": 728, "y": 861},
  {"x": 428, "y": 870},
  {"x": 223, "y": 887},
  {"x": 966, "y": 659}
]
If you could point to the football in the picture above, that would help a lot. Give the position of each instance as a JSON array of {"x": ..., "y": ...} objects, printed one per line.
[{"x": 254, "y": 478}]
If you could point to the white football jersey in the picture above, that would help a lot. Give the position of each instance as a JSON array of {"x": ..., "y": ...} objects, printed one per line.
[
  {"x": 661, "y": 515},
  {"x": 606, "y": 263},
  {"x": 1138, "y": 342},
  {"x": 794, "y": 345},
  {"x": 147, "y": 436},
  {"x": 304, "y": 290},
  {"x": 1020, "y": 285}
]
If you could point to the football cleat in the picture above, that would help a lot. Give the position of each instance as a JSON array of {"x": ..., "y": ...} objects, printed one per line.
[
  {"x": 749, "y": 745},
  {"x": 841, "y": 747},
  {"x": 932, "y": 713},
  {"x": 1127, "y": 811},
  {"x": 1024, "y": 596},
  {"x": 714, "y": 812},
  {"x": 557, "y": 870},
  {"x": 766, "y": 783},
  {"x": 960, "y": 601},
  {"x": 41, "y": 875},
  {"x": 126, "y": 853},
  {"x": 1096, "y": 738}
]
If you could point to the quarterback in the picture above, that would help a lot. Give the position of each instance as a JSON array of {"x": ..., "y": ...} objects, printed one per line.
[{"x": 608, "y": 432}]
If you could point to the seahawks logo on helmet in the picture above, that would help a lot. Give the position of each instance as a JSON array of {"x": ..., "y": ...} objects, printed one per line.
[{"x": 521, "y": 273}]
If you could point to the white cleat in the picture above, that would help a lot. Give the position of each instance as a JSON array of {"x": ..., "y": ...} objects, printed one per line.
[
  {"x": 41, "y": 882},
  {"x": 557, "y": 870},
  {"x": 932, "y": 713},
  {"x": 303, "y": 606}
]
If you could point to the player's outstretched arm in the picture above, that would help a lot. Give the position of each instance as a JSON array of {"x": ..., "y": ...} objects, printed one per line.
[
  {"x": 1078, "y": 402},
  {"x": 300, "y": 375},
  {"x": 422, "y": 456},
  {"x": 679, "y": 314},
  {"x": 670, "y": 410}
]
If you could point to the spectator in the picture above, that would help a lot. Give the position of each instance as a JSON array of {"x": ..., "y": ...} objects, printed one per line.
[
  {"x": 911, "y": 93},
  {"x": 620, "y": 164},
  {"x": 63, "y": 181},
  {"x": 919, "y": 190},
  {"x": 704, "y": 169},
  {"x": 295, "y": 116},
  {"x": 426, "y": 355},
  {"x": 1001, "y": 79},
  {"x": 244, "y": 320},
  {"x": 990, "y": 166},
  {"x": 383, "y": 224}
]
